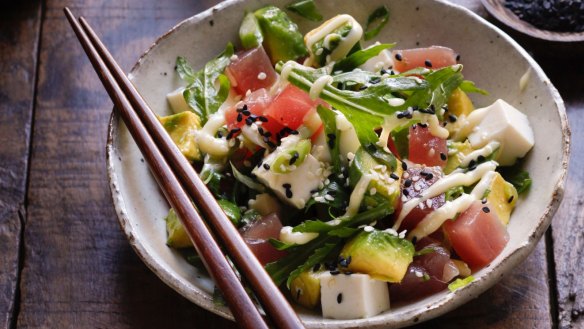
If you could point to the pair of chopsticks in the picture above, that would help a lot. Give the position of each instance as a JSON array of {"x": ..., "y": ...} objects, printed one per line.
[{"x": 181, "y": 186}]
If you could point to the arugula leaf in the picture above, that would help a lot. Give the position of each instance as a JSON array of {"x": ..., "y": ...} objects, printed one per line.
[
  {"x": 357, "y": 77},
  {"x": 360, "y": 57},
  {"x": 365, "y": 109},
  {"x": 184, "y": 70},
  {"x": 337, "y": 190},
  {"x": 469, "y": 87},
  {"x": 303, "y": 257},
  {"x": 306, "y": 9},
  {"x": 329, "y": 119},
  {"x": 201, "y": 94},
  {"x": 379, "y": 16},
  {"x": 459, "y": 283},
  {"x": 516, "y": 176}
]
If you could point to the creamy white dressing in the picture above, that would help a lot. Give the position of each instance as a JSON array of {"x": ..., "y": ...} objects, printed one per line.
[
  {"x": 319, "y": 85},
  {"x": 435, "y": 128},
  {"x": 395, "y": 102},
  {"x": 288, "y": 236},
  {"x": 345, "y": 43},
  {"x": 484, "y": 151},
  {"x": 205, "y": 137},
  {"x": 450, "y": 209},
  {"x": 466, "y": 124},
  {"x": 358, "y": 194},
  {"x": 443, "y": 184}
]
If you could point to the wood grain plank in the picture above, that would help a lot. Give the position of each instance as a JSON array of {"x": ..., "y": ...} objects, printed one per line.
[
  {"x": 568, "y": 224},
  {"x": 79, "y": 270},
  {"x": 19, "y": 35}
]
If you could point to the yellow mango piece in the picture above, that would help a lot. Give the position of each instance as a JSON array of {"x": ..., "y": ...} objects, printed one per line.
[
  {"x": 305, "y": 289},
  {"x": 502, "y": 198},
  {"x": 181, "y": 128},
  {"x": 459, "y": 104}
]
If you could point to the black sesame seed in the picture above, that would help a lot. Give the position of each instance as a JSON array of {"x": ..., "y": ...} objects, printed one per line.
[
  {"x": 363, "y": 87},
  {"x": 486, "y": 210},
  {"x": 394, "y": 176},
  {"x": 271, "y": 144},
  {"x": 261, "y": 131},
  {"x": 414, "y": 240},
  {"x": 398, "y": 56},
  {"x": 335, "y": 272},
  {"x": 266, "y": 166},
  {"x": 331, "y": 266},
  {"x": 340, "y": 298},
  {"x": 472, "y": 163},
  {"x": 428, "y": 63},
  {"x": 239, "y": 117},
  {"x": 429, "y": 176},
  {"x": 289, "y": 194},
  {"x": 295, "y": 157},
  {"x": 263, "y": 118},
  {"x": 457, "y": 57},
  {"x": 246, "y": 112},
  {"x": 374, "y": 80},
  {"x": 407, "y": 183},
  {"x": 267, "y": 134},
  {"x": 443, "y": 156},
  {"x": 406, "y": 193},
  {"x": 294, "y": 132},
  {"x": 347, "y": 272},
  {"x": 286, "y": 185},
  {"x": 404, "y": 166},
  {"x": 452, "y": 118},
  {"x": 316, "y": 267},
  {"x": 484, "y": 201},
  {"x": 510, "y": 199},
  {"x": 249, "y": 121},
  {"x": 219, "y": 134},
  {"x": 481, "y": 158}
]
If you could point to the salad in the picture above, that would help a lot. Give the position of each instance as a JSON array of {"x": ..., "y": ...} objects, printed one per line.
[{"x": 358, "y": 175}]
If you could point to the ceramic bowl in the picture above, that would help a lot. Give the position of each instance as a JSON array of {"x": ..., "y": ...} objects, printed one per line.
[{"x": 490, "y": 58}]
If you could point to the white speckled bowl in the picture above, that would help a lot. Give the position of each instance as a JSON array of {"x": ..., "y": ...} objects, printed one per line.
[{"x": 491, "y": 58}]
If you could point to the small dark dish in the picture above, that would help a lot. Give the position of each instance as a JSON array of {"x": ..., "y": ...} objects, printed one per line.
[{"x": 557, "y": 44}]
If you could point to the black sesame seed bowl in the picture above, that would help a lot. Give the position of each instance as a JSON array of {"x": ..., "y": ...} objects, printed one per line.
[
  {"x": 551, "y": 28},
  {"x": 141, "y": 207}
]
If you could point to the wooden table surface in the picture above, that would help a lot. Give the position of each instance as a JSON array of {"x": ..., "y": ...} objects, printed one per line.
[{"x": 65, "y": 263}]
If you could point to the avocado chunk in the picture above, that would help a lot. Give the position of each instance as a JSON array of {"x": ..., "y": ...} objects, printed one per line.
[
  {"x": 384, "y": 184},
  {"x": 250, "y": 32},
  {"x": 456, "y": 151},
  {"x": 177, "y": 235},
  {"x": 282, "y": 39},
  {"x": 459, "y": 104},
  {"x": 380, "y": 254},
  {"x": 501, "y": 198},
  {"x": 181, "y": 128},
  {"x": 305, "y": 288}
]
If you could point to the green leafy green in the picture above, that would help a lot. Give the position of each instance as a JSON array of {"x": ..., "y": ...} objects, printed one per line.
[
  {"x": 365, "y": 109},
  {"x": 184, "y": 70},
  {"x": 453, "y": 193},
  {"x": 306, "y": 9},
  {"x": 231, "y": 210},
  {"x": 212, "y": 179},
  {"x": 201, "y": 94},
  {"x": 459, "y": 283},
  {"x": 401, "y": 138},
  {"x": 329, "y": 119},
  {"x": 359, "y": 57},
  {"x": 469, "y": 87},
  {"x": 337, "y": 190},
  {"x": 516, "y": 176},
  {"x": 329, "y": 242},
  {"x": 379, "y": 17},
  {"x": 250, "y": 216}
]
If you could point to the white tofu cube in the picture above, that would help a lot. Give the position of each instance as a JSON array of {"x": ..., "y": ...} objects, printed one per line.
[
  {"x": 382, "y": 61},
  {"x": 177, "y": 101},
  {"x": 352, "y": 296},
  {"x": 505, "y": 124},
  {"x": 306, "y": 177}
]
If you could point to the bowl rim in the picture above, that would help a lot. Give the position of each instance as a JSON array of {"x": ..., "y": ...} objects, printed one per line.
[
  {"x": 448, "y": 302},
  {"x": 508, "y": 18}
]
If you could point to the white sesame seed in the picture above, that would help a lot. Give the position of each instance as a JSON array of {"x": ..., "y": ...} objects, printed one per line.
[
  {"x": 402, "y": 234},
  {"x": 350, "y": 156},
  {"x": 262, "y": 76},
  {"x": 404, "y": 198},
  {"x": 419, "y": 274},
  {"x": 329, "y": 197},
  {"x": 234, "y": 57},
  {"x": 372, "y": 191},
  {"x": 429, "y": 203},
  {"x": 319, "y": 199},
  {"x": 327, "y": 181},
  {"x": 368, "y": 228}
]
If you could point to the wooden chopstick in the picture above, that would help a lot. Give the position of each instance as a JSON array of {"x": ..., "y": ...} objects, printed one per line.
[{"x": 119, "y": 88}]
